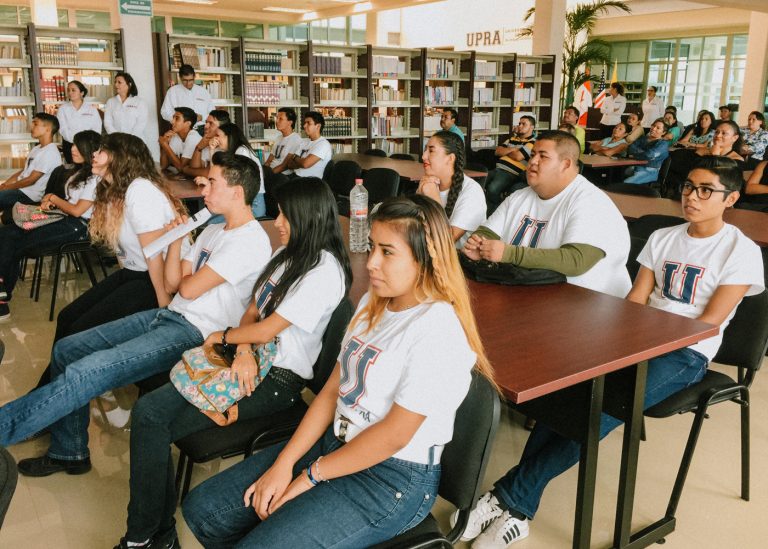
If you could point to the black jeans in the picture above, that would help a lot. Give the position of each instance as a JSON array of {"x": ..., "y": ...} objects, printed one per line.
[
  {"x": 121, "y": 294},
  {"x": 164, "y": 416}
]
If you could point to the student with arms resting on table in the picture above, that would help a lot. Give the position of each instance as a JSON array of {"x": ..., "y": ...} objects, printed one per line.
[
  {"x": 177, "y": 145},
  {"x": 214, "y": 279},
  {"x": 700, "y": 269},
  {"x": 288, "y": 142},
  {"x": 512, "y": 157},
  {"x": 561, "y": 222},
  {"x": 616, "y": 145},
  {"x": 571, "y": 116},
  {"x": 201, "y": 157},
  {"x": 315, "y": 151}
]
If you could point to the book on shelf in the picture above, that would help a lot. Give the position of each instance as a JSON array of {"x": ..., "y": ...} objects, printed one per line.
[
  {"x": 486, "y": 69},
  {"x": 337, "y": 126},
  {"x": 57, "y": 53},
  {"x": 271, "y": 92},
  {"x": 327, "y": 64},
  {"x": 259, "y": 61},
  {"x": 483, "y": 142},
  {"x": 387, "y": 125},
  {"x": 210, "y": 57},
  {"x": 525, "y": 96},
  {"x": 14, "y": 90},
  {"x": 10, "y": 51},
  {"x": 338, "y": 147},
  {"x": 331, "y": 90},
  {"x": 388, "y": 93},
  {"x": 388, "y": 65},
  {"x": 482, "y": 120},
  {"x": 483, "y": 95},
  {"x": 389, "y": 146},
  {"x": 256, "y": 130},
  {"x": 525, "y": 70},
  {"x": 432, "y": 123},
  {"x": 438, "y": 95},
  {"x": 54, "y": 88},
  {"x": 440, "y": 68},
  {"x": 14, "y": 125}
]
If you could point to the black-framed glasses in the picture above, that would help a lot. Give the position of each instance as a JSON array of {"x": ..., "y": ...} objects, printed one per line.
[{"x": 704, "y": 193}]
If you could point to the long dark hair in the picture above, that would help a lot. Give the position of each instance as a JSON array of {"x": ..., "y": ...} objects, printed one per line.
[
  {"x": 739, "y": 143},
  {"x": 87, "y": 143},
  {"x": 310, "y": 208},
  {"x": 235, "y": 138},
  {"x": 452, "y": 144},
  {"x": 132, "y": 89},
  {"x": 698, "y": 130}
]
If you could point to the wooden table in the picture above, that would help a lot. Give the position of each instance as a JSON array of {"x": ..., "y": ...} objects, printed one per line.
[
  {"x": 183, "y": 189},
  {"x": 599, "y": 161},
  {"x": 407, "y": 169},
  {"x": 538, "y": 339}
]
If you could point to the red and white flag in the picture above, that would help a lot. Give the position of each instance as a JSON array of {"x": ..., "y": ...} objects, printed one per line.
[{"x": 601, "y": 93}]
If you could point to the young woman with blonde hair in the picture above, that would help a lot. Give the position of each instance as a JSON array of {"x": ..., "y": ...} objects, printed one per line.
[{"x": 364, "y": 465}]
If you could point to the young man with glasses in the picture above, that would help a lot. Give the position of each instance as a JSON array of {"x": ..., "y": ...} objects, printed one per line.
[
  {"x": 700, "y": 269},
  {"x": 187, "y": 94}
]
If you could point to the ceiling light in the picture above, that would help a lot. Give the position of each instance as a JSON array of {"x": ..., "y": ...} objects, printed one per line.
[{"x": 286, "y": 10}]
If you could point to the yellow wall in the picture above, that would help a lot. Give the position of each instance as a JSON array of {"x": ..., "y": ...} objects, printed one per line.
[{"x": 675, "y": 24}]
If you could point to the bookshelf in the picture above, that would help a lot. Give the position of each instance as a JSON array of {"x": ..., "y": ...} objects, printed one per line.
[
  {"x": 533, "y": 89},
  {"x": 634, "y": 92},
  {"x": 447, "y": 84},
  {"x": 492, "y": 84},
  {"x": 17, "y": 99}
]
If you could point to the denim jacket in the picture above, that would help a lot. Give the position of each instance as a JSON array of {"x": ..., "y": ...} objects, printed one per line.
[{"x": 655, "y": 152}]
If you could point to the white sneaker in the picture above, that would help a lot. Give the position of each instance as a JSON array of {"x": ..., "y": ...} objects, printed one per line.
[
  {"x": 486, "y": 509},
  {"x": 503, "y": 532}
]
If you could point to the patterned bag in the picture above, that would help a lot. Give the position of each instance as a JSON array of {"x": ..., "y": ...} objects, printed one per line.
[
  {"x": 203, "y": 379},
  {"x": 30, "y": 217}
]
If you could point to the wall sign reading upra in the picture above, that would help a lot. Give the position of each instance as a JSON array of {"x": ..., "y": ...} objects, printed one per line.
[
  {"x": 136, "y": 7},
  {"x": 496, "y": 37}
]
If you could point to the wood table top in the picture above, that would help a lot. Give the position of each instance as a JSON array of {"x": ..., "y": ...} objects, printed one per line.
[
  {"x": 407, "y": 169},
  {"x": 599, "y": 161}
]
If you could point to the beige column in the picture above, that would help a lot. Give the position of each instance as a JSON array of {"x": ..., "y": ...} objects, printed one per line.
[
  {"x": 548, "y": 33},
  {"x": 756, "y": 72},
  {"x": 44, "y": 13},
  {"x": 372, "y": 28}
]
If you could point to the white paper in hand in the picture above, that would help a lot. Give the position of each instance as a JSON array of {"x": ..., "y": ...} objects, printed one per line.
[{"x": 160, "y": 244}]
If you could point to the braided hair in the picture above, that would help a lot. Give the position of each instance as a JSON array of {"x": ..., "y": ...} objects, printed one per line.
[{"x": 452, "y": 144}]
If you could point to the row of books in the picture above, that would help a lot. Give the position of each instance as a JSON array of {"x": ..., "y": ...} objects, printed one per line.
[
  {"x": 59, "y": 53},
  {"x": 388, "y": 65},
  {"x": 256, "y": 130},
  {"x": 387, "y": 125},
  {"x": 338, "y": 127},
  {"x": 339, "y": 148},
  {"x": 483, "y": 142},
  {"x": 387, "y": 93},
  {"x": 257, "y": 61},
  {"x": 326, "y": 64},
  {"x": 389, "y": 146},
  {"x": 525, "y": 95},
  {"x": 525, "y": 70},
  {"x": 486, "y": 69},
  {"x": 332, "y": 94},
  {"x": 482, "y": 120},
  {"x": 438, "y": 95},
  {"x": 432, "y": 123},
  {"x": 15, "y": 90},
  {"x": 440, "y": 68},
  {"x": 267, "y": 93},
  {"x": 10, "y": 51},
  {"x": 217, "y": 88},
  {"x": 13, "y": 125},
  {"x": 53, "y": 89},
  {"x": 482, "y": 95},
  {"x": 13, "y": 112}
]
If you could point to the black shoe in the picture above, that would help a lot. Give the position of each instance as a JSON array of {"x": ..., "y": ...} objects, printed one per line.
[
  {"x": 5, "y": 311},
  {"x": 3, "y": 291},
  {"x": 166, "y": 542},
  {"x": 44, "y": 466}
]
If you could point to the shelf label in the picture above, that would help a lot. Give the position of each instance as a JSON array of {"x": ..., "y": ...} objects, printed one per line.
[{"x": 136, "y": 7}]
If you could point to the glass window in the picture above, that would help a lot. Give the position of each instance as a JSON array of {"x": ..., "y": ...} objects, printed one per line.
[
  {"x": 63, "y": 18},
  {"x": 662, "y": 50},
  {"x": 637, "y": 52},
  {"x": 9, "y": 15},
  {"x": 714, "y": 47},
  {"x": 93, "y": 19},
  {"x": 739, "y": 48},
  {"x": 620, "y": 51},
  {"x": 197, "y": 27},
  {"x": 158, "y": 23},
  {"x": 357, "y": 25},
  {"x": 231, "y": 29},
  {"x": 25, "y": 15}
]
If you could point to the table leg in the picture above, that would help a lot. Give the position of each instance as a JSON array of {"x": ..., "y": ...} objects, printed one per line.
[{"x": 585, "y": 492}]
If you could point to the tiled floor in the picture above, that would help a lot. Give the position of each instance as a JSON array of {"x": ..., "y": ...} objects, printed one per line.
[{"x": 88, "y": 511}]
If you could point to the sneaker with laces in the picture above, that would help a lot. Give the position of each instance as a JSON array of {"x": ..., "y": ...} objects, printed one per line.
[
  {"x": 485, "y": 511},
  {"x": 502, "y": 532},
  {"x": 5, "y": 311}
]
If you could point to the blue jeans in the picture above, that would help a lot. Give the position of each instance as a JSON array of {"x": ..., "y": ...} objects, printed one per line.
[
  {"x": 9, "y": 197},
  {"x": 643, "y": 174},
  {"x": 353, "y": 511},
  {"x": 258, "y": 207},
  {"x": 548, "y": 454},
  {"x": 85, "y": 365}
]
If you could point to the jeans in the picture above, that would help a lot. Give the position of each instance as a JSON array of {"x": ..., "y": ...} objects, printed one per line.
[
  {"x": 548, "y": 454},
  {"x": 87, "y": 364},
  {"x": 353, "y": 511},
  {"x": 121, "y": 294},
  {"x": 15, "y": 243},
  {"x": 9, "y": 197},
  {"x": 643, "y": 174},
  {"x": 164, "y": 416}
]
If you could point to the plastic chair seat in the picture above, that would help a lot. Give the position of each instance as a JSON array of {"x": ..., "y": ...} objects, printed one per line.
[
  {"x": 688, "y": 399},
  {"x": 426, "y": 534}
]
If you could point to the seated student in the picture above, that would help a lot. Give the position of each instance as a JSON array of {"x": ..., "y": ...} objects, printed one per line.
[
  {"x": 315, "y": 151},
  {"x": 213, "y": 279},
  {"x": 673, "y": 110},
  {"x": 560, "y": 222},
  {"x": 725, "y": 113},
  {"x": 445, "y": 182},
  {"x": 513, "y": 157},
  {"x": 201, "y": 158},
  {"x": 755, "y": 138},
  {"x": 719, "y": 266},
  {"x": 80, "y": 191},
  {"x": 287, "y": 143},
  {"x": 756, "y": 189},
  {"x": 187, "y": 94},
  {"x": 177, "y": 145},
  {"x": 415, "y": 338},
  {"x": 636, "y": 130},
  {"x": 673, "y": 133},
  {"x": 296, "y": 294},
  {"x": 616, "y": 145},
  {"x": 571, "y": 116},
  {"x": 654, "y": 149},
  {"x": 700, "y": 133},
  {"x": 28, "y": 185},
  {"x": 449, "y": 122}
]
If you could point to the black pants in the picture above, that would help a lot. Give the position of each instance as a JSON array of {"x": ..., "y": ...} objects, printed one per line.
[{"x": 121, "y": 294}]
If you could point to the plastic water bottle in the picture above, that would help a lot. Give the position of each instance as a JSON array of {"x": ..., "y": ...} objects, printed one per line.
[{"x": 358, "y": 218}]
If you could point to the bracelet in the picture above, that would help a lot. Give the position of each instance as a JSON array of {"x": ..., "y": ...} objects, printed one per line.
[
  {"x": 310, "y": 477},
  {"x": 224, "y": 335},
  {"x": 242, "y": 353},
  {"x": 320, "y": 477}
]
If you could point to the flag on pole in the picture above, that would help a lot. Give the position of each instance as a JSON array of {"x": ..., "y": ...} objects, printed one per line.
[
  {"x": 583, "y": 100},
  {"x": 601, "y": 89}
]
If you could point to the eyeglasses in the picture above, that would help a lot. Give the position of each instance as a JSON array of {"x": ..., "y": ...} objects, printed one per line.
[{"x": 704, "y": 193}]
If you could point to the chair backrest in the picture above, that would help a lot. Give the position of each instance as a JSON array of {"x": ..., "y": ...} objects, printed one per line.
[
  {"x": 632, "y": 188},
  {"x": 329, "y": 352},
  {"x": 661, "y": 182},
  {"x": 636, "y": 245},
  {"x": 465, "y": 458},
  {"x": 380, "y": 183},
  {"x": 343, "y": 176},
  {"x": 8, "y": 477},
  {"x": 328, "y": 170},
  {"x": 478, "y": 168},
  {"x": 272, "y": 181},
  {"x": 746, "y": 338},
  {"x": 402, "y": 156},
  {"x": 376, "y": 152},
  {"x": 644, "y": 226}
]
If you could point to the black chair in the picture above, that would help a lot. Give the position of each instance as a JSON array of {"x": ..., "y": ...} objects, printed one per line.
[
  {"x": 661, "y": 182},
  {"x": 402, "y": 156},
  {"x": 644, "y": 226},
  {"x": 9, "y": 475},
  {"x": 744, "y": 344},
  {"x": 632, "y": 188},
  {"x": 463, "y": 463},
  {"x": 380, "y": 183},
  {"x": 272, "y": 181},
  {"x": 342, "y": 179},
  {"x": 247, "y": 436},
  {"x": 476, "y": 167},
  {"x": 376, "y": 152},
  {"x": 485, "y": 157},
  {"x": 499, "y": 179},
  {"x": 328, "y": 170}
]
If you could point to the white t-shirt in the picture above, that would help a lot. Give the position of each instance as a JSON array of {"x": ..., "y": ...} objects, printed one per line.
[
  {"x": 185, "y": 148},
  {"x": 321, "y": 148},
  {"x": 129, "y": 116},
  {"x": 612, "y": 109},
  {"x": 147, "y": 209},
  {"x": 688, "y": 271},
  {"x": 238, "y": 256},
  {"x": 418, "y": 358},
  {"x": 285, "y": 145},
  {"x": 86, "y": 191},
  {"x": 308, "y": 310},
  {"x": 198, "y": 99},
  {"x": 580, "y": 214},
  {"x": 43, "y": 160},
  {"x": 469, "y": 210},
  {"x": 72, "y": 120},
  {"x": 652, "y": 111}
]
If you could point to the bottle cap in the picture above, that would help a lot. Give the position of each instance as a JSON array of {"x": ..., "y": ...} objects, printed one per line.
[{"x": 359, "y": 181}]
